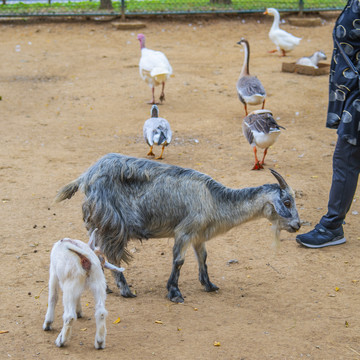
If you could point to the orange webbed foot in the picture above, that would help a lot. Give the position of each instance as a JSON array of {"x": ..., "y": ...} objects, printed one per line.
[{"x": 257, "y": 166}]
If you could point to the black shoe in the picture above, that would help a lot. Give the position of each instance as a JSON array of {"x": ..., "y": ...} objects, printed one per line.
[{"x": 321, "y": 237}]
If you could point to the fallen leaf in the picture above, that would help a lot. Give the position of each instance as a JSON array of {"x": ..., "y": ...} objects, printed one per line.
[
  {"x": 116, "y": 321},
  {"x": 83, "y": 329},
  {"x": 196, "y": 309},
  {"x": 216, "y": 343},
  {"x": 337, "y": 289},
  {"x": 158, "y": 322},
  {"x": 346, "y": 324},
  {"x": 4, "y": 331}
]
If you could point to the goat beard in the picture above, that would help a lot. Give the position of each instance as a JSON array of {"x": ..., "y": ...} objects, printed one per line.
[{"x": 276, "y": 231}]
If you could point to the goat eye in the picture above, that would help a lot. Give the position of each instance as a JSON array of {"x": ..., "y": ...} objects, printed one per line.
[{"x": 287, "y": 203}]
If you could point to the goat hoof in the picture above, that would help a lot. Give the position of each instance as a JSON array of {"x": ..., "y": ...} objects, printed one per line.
[
  {"x": 175, "y": 296},
  {"x": 47, "y": 326},
  {"x": 211, "y": 287},
  {"x": 127, "y": 294},
  {"x": 99, "y": 345}
]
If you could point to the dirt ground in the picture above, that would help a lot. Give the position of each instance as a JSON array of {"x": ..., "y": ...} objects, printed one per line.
[{"x": 71, "y": 92}]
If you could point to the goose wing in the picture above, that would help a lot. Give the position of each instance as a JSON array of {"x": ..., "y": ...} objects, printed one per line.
[
  {"x": 284, "y": 39},
  {"x": 249, "y": 86},
  {"x": 259, "y": 122}
]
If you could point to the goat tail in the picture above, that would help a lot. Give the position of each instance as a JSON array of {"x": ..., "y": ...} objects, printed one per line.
[
  {"x": 68, "y": 191},
  {"x": 84, "y": 255}
]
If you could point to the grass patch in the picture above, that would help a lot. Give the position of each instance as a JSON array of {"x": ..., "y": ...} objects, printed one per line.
[{"x": 161, "y": 6}]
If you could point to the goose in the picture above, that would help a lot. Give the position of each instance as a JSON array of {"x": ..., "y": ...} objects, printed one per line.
[
  {"x": 283, "y": 40},
  {"x": 156, "y": 131},
  {"x": 312, "y": 60},
  {"x": 261, "y": 130},
  {"x": 154, "y": 68},
  {"x": 249, "y": 88}
]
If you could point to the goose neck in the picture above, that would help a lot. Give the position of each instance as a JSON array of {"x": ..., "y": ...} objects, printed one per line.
[{"x": 245, "y": 66}]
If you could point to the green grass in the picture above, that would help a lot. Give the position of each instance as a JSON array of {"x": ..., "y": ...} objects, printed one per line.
[{"x": 161, "y": 6}]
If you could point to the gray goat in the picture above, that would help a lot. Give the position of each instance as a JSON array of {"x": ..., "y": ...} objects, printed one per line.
[{"x": 130, "y": 198}]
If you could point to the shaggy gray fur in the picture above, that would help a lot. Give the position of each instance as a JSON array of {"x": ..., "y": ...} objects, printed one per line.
[{"x": 130, "y": 198}]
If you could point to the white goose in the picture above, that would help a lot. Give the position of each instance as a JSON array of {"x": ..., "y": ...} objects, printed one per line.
[
  {"x": 283, "y": 40},
  {"x": 157, "y": 131},
  {"x": 249, "y": 88},
  {"x": 154, "y": 68},
  {"x": 261, "y": 129}
]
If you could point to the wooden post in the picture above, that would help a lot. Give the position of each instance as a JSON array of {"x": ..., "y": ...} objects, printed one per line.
[
  {"x": 122, "y": 9},
  {"x": 301, "y": 7}
]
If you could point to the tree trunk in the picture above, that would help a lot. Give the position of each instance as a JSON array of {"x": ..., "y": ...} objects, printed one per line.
[{"x": 106, "y": 5}]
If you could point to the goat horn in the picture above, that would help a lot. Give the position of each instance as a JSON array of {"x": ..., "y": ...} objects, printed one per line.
[
  {"x": 109, "y": 266},
  {"x": 92, "y": 240},
  {"x": 280, "y": 179}
]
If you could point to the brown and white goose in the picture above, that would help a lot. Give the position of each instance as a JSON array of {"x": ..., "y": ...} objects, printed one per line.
[
  {"x": 261, "y": 130},
  {"x": 249, "y": 88}
]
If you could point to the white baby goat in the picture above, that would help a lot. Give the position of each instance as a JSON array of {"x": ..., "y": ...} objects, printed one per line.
[
  {"x": 312, "y": 60},
  {"x": 75, "y": 266}
]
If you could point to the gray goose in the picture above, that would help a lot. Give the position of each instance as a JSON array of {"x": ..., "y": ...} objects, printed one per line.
[
  {"x": 261, "y": 130},
  {"x": 156, "y": 131},
  {"x": 249, "y": 88}
]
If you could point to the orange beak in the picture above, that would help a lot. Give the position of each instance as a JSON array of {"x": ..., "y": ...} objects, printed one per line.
[{"x": 265, "y": 12}]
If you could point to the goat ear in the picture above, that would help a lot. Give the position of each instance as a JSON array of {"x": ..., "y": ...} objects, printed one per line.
[
  {"x": 109, "y": 266},
  {"x": 92, "y": 240},
  {"x": 280, "y": 179}
]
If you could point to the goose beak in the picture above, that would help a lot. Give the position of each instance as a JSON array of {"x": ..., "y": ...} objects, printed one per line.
[{"x": 265, "y": 12}]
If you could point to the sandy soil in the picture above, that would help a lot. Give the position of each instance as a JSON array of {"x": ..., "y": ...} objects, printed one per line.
[{"x": 71, "y": 93}]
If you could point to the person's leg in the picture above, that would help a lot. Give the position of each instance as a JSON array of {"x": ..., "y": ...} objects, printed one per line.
[
  {"x": 346, "y": 167},
  {"x": 346, "y": 162}
]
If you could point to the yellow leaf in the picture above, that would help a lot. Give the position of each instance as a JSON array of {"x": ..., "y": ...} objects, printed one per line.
[
  {"x": 87, "y": 304},
  {"x": 354, "y": 281},
  {"x": 337, "y": 289},
  {"x": 4, "y": 331},
  {"x": 195, "y": 309},
  {"x": 346, "y": 324},
  {"x": 83, "y": 329},
  {"x": 178, "y": 329},
  {"x": 116, "y": 321},
  {"x": 216, "y": 343},
  {"x": 158, "y": 322},
  {"x": 314, "y": 177}
]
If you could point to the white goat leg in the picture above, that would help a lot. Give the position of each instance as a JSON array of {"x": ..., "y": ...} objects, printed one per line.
[
  {"x": 98, "y": 288},
  {"x": 71, "y": 297},
  {"x": 52, "y": 300}
]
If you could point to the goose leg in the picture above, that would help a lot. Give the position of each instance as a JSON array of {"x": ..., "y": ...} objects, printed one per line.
[
  {"x": 262, "y": 162},
  {"x": 263, "y": 104},
  {"x": 257, "y": 165},
  {"x": 283, "y": 52},
  {"x": 246, "y": 110},
  {"x": 162, "y": 151},
  {"x": 150, "y": 153},
  {"x": 162, "y": 95},
  {"x": 272, "y": 51}
]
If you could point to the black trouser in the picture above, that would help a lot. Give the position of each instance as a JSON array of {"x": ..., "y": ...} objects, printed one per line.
[{"x": 346, "y": 168}]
